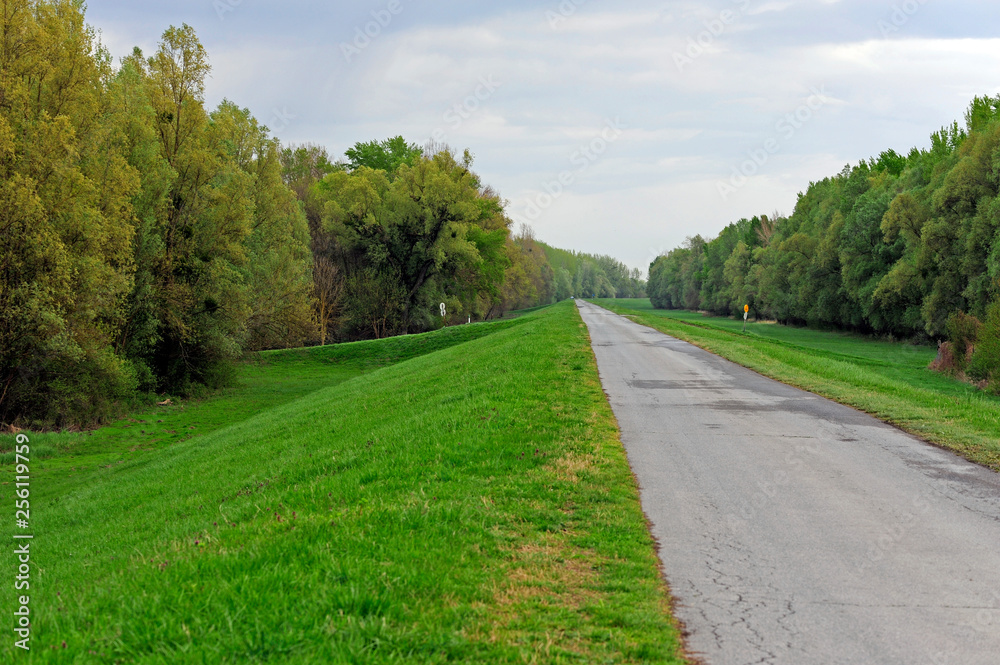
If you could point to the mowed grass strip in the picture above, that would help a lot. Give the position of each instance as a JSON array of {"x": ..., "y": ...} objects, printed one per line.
[
  {"x": 470, "y": 505},
  {"x": 888, "y": 380}
]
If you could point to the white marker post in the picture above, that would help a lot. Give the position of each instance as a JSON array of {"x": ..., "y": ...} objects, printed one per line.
[
  {"x": 444, "y": 311},
  {"x": 746, "y": 313}
]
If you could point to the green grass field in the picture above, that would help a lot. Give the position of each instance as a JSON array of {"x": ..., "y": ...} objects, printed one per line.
[
  {"x": 460, "y": 496},
  {"x": 887, "y": 379}
]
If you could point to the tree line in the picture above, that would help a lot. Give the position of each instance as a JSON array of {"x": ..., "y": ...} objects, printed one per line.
[
  {"x": 593, "y": 275},
  {"x": 144, "y": 239},
  {"x": 147, "y": 241},
  {"x": 900, "y": 245}
]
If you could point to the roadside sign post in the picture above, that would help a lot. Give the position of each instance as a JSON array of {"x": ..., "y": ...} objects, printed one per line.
[{"x": 746, "y": 313}]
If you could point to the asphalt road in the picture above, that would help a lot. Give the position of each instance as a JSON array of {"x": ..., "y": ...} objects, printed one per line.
[{"x": 795, "y": 530}]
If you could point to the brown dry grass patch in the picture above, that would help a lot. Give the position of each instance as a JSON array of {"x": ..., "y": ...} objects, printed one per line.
[
  {"x": 543, "y": 577},
  {"x": 567, "y": 468},
  {"x": 552, "y": 573}
]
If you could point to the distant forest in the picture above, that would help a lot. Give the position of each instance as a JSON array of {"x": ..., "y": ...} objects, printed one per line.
[
  {"x": 147, "y": 242},
  {"x": 900, "y": 245}
]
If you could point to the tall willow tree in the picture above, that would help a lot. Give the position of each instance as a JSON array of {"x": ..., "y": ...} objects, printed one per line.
[
  {"x": 529, "y": 279},
  {"x": 226, "y": 244},
  {"x": 133, "y": 114},
  {"x": 203, "y": 298},
  {"x": 279, "y": 267},
  {"x": 302, "y": 167},
  {"x": 427, "y": 233},
  {"x": 65, "y": 219}
]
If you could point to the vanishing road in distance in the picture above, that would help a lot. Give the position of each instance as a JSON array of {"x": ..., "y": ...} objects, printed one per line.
[{"x": 794, "y": 530}]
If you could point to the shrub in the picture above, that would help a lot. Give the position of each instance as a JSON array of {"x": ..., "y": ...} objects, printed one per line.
[
  {"x": 985, "y": 362},
  {"x": 963, "y": 334},
  {"x": 945, "y": 360}
]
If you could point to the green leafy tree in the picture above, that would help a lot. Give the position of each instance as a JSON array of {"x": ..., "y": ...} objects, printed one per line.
[
  {"x": 388, "y": 155},
  {"x": 739, "y": 277},
  {"x": 279, "y": 267},
  {"x": 430, "y": 225},
  {"x": 563, "y": 284},
  {"x": 203, "y": 298},
  {"x": 985, "y": 362},
  {"x": 129, "y": 94},
  {"x": 65, "y": 220}
]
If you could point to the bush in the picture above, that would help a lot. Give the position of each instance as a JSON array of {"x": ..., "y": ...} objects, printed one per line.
[
  {"x": 945, "y": 360},
  {"x": 985, "y": 362},
  {"x": 963, "y": 334},
  {"x": 60, "y": 390}
]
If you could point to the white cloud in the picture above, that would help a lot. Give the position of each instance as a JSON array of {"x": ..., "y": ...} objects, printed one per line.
[{"x": 769, "y": 7}]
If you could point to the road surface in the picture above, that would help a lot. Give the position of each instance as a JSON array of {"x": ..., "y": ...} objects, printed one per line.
[{"x": 795, "y": 530}]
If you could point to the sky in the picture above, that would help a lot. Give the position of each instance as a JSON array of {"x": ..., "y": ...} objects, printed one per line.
[{"x": 610, "y": 128}]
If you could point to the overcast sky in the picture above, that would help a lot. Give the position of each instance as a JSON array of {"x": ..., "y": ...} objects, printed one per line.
[{"x": 612, "y": 128}]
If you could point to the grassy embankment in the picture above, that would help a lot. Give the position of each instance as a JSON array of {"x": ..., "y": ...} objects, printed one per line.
[
  {"x": 434, "y": 498},
  {"x": 888, "y": 380}
]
